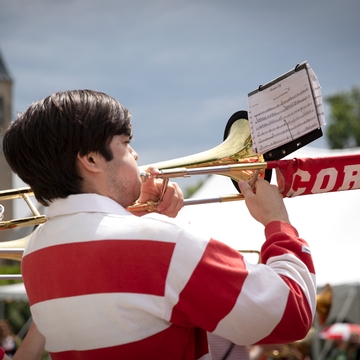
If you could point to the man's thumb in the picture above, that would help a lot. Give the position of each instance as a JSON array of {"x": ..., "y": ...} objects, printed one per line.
[{"x": 245, "y": 188}]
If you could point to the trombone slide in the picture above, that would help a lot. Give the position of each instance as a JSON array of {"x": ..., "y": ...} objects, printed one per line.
[
  {"x": 232, "y": 170},
  {"x": 21, "y": 193}
]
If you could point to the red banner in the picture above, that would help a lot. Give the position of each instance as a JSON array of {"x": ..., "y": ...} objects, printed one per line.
[{"x": 317, "y": 175}]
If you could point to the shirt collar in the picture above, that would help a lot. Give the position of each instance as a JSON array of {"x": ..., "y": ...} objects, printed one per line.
[{"x": 84, "y": 203}]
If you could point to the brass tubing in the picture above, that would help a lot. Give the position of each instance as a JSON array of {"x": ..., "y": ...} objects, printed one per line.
[
  {"x": 211, "y": 170},
  {"x": 216, "y": 199},
  {"x": 21, "y": 193},
  {"x": 11, "y": 253},
  {"x": 28, "y": 221},
  {"x": 15, "y": 193}
]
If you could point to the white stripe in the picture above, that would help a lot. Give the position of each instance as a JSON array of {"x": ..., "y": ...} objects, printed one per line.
[
  {"x": 117, "y": 317},
  {"x": 253, "y": 310},
  {"x": 88, "y": 227},
  {"x": 183, "y": 264},
  {"x": 293, "y": 268}
]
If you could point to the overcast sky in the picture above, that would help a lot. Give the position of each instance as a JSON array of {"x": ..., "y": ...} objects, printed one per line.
[{"x": 181, "y": 67}]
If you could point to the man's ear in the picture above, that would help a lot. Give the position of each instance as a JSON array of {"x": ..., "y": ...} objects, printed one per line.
[{"x": 91, "y": 162}]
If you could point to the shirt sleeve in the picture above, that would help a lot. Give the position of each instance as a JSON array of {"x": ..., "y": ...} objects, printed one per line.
[{"x": 271, "y": 302}]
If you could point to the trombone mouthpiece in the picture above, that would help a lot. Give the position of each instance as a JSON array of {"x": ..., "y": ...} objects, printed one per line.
[{"x": 143, "y": 175}]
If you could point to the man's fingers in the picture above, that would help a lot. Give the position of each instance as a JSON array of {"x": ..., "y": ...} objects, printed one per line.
[{"x": 245, "y": 188}]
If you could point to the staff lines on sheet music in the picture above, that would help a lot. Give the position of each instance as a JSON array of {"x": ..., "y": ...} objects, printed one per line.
[
  {"x": 301, "y": 127},
  {"x": 284, "y": 109},
  {"x": 283, "y": 140},
  {"x": 279, "y": 142},
  {"x": 289, "y": 118},
  {"x": 275, "y": 143},
  {"x": 288, "y": 129}
]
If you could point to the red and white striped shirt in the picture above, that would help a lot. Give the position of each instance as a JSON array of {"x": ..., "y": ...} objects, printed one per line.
[{"x": 103, "y": 283}]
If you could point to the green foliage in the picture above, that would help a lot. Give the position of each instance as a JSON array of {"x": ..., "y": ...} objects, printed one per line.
[
  {"x": 16, "y": 312},
  {"x": 6, "y": 269},
  {"x": 343, "y": 130}
]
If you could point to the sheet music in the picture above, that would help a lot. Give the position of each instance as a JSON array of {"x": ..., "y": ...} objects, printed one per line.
[
  {"x": 284, "y": 111},
  {"x": 317, "y": 94}
]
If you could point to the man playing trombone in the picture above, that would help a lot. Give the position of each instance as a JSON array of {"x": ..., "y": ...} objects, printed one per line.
[{"x": 105, "y": 283}]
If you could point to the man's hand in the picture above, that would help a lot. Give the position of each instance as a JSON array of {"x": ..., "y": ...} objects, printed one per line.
[
  {"x": 32, "y": 347},
  {"x": 172, "y": 200},
  {"x": 265, "y": 204}
]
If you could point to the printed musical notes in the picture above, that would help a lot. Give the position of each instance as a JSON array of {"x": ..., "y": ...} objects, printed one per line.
[{"x": 285, "y": 109}]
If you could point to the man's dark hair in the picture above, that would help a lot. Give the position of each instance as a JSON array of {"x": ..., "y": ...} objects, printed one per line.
[{"x": 42, "y": 145}]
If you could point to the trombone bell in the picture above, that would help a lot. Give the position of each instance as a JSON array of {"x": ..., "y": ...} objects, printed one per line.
[
  {"x": 236, "y": 149},
  {"x": 323, "y": 303},
  {"x": 13, "y": 249}
]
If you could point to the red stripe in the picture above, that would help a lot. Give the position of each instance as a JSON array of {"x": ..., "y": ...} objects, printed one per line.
[
  {"x": 282, "y": 238},
  {"x": 296, "y": 320},
  {"x": 221, "y": 267},
  {"x": 173, "y": 343},
  {"x": 104, "y": 266}
]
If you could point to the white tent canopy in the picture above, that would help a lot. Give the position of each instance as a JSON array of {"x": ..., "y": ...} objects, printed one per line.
[
  {"x": 14, "y": 292},
  {"x": 329, "y": 222}
]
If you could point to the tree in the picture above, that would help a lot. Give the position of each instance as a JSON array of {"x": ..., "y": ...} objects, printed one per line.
[{"x": 343, "y": 130}]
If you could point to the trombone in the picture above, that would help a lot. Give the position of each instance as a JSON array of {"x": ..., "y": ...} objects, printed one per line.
[
  {"x": 13, "y": 250},
  {"x": 21, "y": 193}
]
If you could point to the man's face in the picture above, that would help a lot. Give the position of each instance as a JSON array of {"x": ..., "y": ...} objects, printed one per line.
[{"x": 122, "y": 174}]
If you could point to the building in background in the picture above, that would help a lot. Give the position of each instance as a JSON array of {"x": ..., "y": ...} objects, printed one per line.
[{"x": 6, "y": 179}]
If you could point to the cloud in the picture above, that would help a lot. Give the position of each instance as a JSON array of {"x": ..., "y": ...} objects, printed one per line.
[{"x": 181, "y": 67}]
